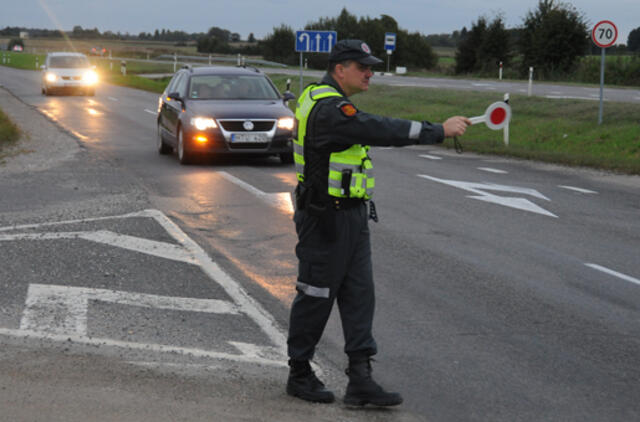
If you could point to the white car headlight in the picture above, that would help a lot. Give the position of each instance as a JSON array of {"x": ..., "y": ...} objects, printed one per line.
[
  {"x": 90, "y": 77},
  {"x": 286, "y": 123},
  {"x": 50, "y": 77},
  {"x": 202, "y": 123}
]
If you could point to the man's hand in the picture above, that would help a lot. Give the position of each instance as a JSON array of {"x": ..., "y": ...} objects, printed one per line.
[{"x": 455, "y": 126}]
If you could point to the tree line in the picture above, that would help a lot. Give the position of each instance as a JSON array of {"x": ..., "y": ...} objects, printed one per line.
[
  {"x": 412, "y": 48},
  {"x": 554, "y": 39}
]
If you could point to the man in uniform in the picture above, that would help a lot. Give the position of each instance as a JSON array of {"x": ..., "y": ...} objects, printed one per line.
[{"x": 335, "y": 182}]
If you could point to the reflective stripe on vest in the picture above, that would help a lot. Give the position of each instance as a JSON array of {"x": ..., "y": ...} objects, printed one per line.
[{"x": 353, "y": 161}]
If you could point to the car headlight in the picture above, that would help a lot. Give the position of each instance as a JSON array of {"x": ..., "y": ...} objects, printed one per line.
[
  {"x": 202, "y": 123},
  {"x": 90, "y": 77},
  {"x": 286, "y": 123},
  {"x": 50, "y": 77}
]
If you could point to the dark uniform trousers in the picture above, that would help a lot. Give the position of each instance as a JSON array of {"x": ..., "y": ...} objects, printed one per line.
[{"x": 328, "y": 270}]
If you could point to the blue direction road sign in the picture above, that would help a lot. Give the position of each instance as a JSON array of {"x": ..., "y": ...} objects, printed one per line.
[
  {"x": 390, "y": 41},
  {"x": 315, "y": 41}
]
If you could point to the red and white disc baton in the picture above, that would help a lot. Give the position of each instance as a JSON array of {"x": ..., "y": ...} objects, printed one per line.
[{"x": 496, "y": 117}]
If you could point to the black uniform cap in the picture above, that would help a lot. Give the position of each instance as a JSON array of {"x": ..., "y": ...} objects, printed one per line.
[{"x": 357, "y": 50}]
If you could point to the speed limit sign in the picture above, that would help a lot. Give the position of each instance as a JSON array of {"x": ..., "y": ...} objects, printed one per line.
[{"x": 604, "y": 34}]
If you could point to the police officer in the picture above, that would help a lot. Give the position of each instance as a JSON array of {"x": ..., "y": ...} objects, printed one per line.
[{"x": 335, "y": 183}]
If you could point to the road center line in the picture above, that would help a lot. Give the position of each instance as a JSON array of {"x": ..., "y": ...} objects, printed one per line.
[
  {"x": 614, "y": 273},
  {"x": 430, "y": 157},
  {"x": 577, "y": 189},
  {"x": 491, "y": 170},
  {"x": 150, "y": 112},
  {"x": 113, "y": 98}
]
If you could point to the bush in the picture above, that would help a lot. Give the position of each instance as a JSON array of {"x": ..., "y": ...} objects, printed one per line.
[
  {"x": 279, "y": 46},
  {"x": 552, "y": 39},
  {"x": 621, "y": 70},
  {"x": 14, "y": 42}
]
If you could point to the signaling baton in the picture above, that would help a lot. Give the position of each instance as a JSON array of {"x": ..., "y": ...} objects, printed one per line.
[{"x": 495, "y": 117}]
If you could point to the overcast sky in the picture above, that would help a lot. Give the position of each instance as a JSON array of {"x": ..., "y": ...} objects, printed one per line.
[{"x": 261, "y": 16}]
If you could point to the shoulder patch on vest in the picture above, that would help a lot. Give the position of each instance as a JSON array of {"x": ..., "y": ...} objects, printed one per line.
[{"x": 348, "y": 109}]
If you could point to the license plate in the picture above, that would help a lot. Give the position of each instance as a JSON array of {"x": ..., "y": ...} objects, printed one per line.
[{"x": 237, "y": 138}]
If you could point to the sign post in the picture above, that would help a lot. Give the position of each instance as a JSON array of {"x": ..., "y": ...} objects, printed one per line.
[
  {"x": 604, "y": 35},
  {"x": 314, "y": 42},
  {"x": 390, "y": 46}
]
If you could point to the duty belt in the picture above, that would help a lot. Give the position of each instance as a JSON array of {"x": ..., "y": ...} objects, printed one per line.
[{"x": 346, "y": 203}]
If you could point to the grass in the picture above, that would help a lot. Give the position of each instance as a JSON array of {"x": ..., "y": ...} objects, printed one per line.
[
  {"x": 139, "y": 82},
  {"x": 9, "y": 132}
]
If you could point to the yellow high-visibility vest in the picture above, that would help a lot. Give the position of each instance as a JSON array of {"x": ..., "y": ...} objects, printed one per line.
[{"x": 353, "y": 162}]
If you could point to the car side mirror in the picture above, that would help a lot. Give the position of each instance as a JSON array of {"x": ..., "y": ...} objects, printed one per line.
[
  {"x": 288, "y": 96},
  {"x": 176, "y": 96}
]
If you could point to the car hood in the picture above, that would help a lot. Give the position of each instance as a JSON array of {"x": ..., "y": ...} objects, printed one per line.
[{"x": 240, "y": 109}]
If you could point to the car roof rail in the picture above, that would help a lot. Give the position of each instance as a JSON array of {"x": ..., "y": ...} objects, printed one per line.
[{"x": 255, "y": 69}]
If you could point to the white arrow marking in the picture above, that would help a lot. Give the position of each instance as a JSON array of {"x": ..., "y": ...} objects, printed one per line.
[
  {"x": 479, "y": 188},
  {"x": 303, "y": 36},
  {"x": 318, "y": 37},
  {"x": 330, "y": 41}
]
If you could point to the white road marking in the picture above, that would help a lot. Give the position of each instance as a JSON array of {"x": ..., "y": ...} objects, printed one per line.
[
  {"x": 271, "y": 356},
  {"x": 280, "y": 200},
  {"x": 64, "y": 309},
  {"x": 430, "y": 157},
  {"x": 556, "y": 92},
  {"x": 491, "y": 170},
  {"x": 573, "y": 188},
  {"x": 137, "y": 244},
  {"x": 150, "y": 111},
  {"x": 479, "y": 188},
  {"x": 73, "y": 306},
  {"x": 480, "y": 84},
  {"x": 112, "y": 98},
  {"x": 614, "y": 273}
]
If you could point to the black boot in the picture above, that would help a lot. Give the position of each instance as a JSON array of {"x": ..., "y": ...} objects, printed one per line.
[
  {"x": 362, "y": 389},
  {"x": 304, "y": 384}
]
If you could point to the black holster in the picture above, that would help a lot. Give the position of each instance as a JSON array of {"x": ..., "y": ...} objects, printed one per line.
[{"x": 309, "y": 202}]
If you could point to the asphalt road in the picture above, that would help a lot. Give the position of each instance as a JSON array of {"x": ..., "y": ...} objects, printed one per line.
[{"x": 506, "y": 290}]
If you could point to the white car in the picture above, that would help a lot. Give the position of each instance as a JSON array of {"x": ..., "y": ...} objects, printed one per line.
[{"x": 68, "y": 72}]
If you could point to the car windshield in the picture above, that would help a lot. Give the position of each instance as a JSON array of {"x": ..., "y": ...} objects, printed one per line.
[
  {"x": 68, "y": 62},
  {"x": 231, "y": 87}
]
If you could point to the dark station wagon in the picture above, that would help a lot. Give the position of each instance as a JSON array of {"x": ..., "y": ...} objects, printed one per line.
[{"x": 224, "y": 110}]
